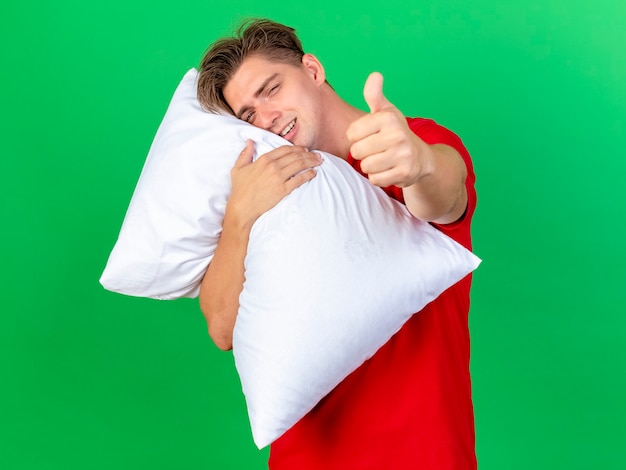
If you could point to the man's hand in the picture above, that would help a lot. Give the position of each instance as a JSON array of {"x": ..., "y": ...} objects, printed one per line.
[
  {"x": 390, "y": 153},
  {"x": 258, "y": 186},
  {"x": 432, "y": 177}
]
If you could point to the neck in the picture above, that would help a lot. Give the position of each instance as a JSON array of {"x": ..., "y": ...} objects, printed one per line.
[{"x": 339, "y": 117}]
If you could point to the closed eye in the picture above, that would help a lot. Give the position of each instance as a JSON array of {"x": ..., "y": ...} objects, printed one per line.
[{"x": 248, "y": 116}]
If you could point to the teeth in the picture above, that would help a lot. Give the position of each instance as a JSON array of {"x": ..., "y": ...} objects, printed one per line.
[{"x": 288, "y": 128}]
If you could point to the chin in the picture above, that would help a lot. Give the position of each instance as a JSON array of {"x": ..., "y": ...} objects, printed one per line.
[{"x": 304, "y": 142}]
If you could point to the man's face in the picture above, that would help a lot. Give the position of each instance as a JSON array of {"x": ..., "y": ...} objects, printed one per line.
[{"x": 282, "y": 98}]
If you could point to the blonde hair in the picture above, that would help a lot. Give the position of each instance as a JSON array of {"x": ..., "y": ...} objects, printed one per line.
[{"x": 256, "y": 37}]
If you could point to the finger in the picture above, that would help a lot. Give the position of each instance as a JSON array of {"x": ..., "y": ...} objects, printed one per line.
[
  {"x": 282, "y": 152},
  {"x": 373, "y": 93},
  {"x": 379, "y": 172},
  {"x": 363, "y": 127},
  {"x": 300, "y": 163},
  {"x": 368, "y": 145},
  {"x": 382, "y": 180},
  {"x": 246, "y": 155},
  {"x": 299, "y": 179},
  {"x": 375, "y": 164}
]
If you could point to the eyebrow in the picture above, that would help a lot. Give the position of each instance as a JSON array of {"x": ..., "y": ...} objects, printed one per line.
[{"x": 257, "y": 93}]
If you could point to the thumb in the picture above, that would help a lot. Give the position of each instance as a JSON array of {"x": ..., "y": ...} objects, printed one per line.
[
  {"x": 246, "y": 155},
  {"x": 373, "y": 93}
]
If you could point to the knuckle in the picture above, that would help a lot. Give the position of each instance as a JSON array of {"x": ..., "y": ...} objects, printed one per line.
[
  {"x": 272, "y": 164},
  {"x": 397, "y": 135},
  {"x": 387, "y": 116},
  {"x": 404, "y": 174}
]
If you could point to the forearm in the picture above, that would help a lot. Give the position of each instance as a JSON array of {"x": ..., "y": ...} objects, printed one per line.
[
  {"x": 223, "y": 281},
  {"x": 439, "y": 195},
  {"x": 256, "y": 188}
]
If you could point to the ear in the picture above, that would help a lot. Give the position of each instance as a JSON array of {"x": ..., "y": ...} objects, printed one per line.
[{"x": 314, "y": 68}]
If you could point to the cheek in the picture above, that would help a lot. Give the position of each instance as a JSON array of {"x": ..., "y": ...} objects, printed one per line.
[{"x": 312, "y": 109}]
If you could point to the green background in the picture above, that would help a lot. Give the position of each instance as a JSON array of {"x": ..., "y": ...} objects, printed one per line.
[{"x": 537, "y": 90}]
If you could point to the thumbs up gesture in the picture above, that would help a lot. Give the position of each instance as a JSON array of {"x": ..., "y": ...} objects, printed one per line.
[
  {"x": 390, "y": 153},
  {"x": 373, "y": 93}
]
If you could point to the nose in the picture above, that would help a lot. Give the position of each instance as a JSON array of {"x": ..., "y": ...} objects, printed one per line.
[{"x": 267, "y": 117}]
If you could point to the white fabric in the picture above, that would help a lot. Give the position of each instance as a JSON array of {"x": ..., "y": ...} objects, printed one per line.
[
  {"x": 332, "y": 272},
  {"x": 174, "y": 219}
]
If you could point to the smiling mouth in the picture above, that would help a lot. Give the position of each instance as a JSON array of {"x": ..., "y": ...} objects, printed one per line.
[{"x": 287, "y": 129}]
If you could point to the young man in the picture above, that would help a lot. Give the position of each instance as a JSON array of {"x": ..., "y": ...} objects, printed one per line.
[{"x": 409, "y": 406}]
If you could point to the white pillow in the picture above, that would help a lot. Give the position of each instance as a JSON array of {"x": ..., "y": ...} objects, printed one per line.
[
  {"x": 332, "y": 272},
  {"x": 174, "y": 219}
]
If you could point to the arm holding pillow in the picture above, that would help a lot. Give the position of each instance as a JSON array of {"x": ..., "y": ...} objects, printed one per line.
[
  {"x": 432, "y": 176},
  {"x": 256, "y": 188}
]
